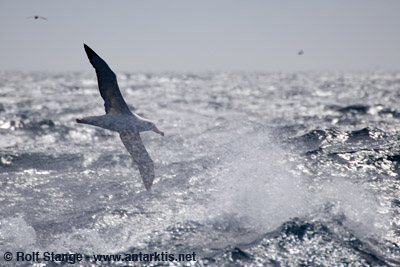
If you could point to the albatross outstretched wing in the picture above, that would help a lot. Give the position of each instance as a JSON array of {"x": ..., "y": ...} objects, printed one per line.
[
  {"x": 133, "y": 143},
  {"x": 108, "y": 86}
]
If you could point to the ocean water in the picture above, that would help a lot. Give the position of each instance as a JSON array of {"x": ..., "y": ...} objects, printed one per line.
[{"x": 255, "y": 169}]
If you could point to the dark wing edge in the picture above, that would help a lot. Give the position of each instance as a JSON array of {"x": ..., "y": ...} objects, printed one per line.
[
  {"x": 108, "y": 85},
  {"x": 133, "y": 143}
]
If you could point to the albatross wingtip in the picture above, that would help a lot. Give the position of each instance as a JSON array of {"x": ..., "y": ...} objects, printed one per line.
[{"x": 89, "y": 52}]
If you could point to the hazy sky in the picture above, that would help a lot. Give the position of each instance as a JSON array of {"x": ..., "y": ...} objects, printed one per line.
[{"x": 202, "y": 35}]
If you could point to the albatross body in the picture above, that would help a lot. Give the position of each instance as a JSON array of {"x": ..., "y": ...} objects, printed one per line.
[{"x": 120, "y": 119}]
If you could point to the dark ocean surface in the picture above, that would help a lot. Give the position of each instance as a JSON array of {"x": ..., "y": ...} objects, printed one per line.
[{"x": 255, "y": 169}]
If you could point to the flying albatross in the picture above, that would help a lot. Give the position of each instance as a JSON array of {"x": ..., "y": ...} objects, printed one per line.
[
  {"x": 120, "y": 119},
  {"x": 36, "y": 17}
]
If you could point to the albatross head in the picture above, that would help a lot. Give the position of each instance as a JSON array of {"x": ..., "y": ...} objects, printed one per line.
[
  {"x": 155, "y": 129},
  {"x": 150, "y": 126}
]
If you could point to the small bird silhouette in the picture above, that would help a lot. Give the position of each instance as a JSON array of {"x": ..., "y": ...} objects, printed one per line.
[
  {"x": 300, "y": 53},
  {"x": 36, "y": 17}
]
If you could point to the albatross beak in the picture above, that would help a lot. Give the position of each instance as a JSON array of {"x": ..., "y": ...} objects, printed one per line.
[{"x": 158, "y": 131}]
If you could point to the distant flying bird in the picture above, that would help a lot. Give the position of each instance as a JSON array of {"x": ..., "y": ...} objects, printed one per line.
[
  {"x": 300, "y": 53},
  {"x": 120, "y": 119},
  {"x": 36, "y": 17}
]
